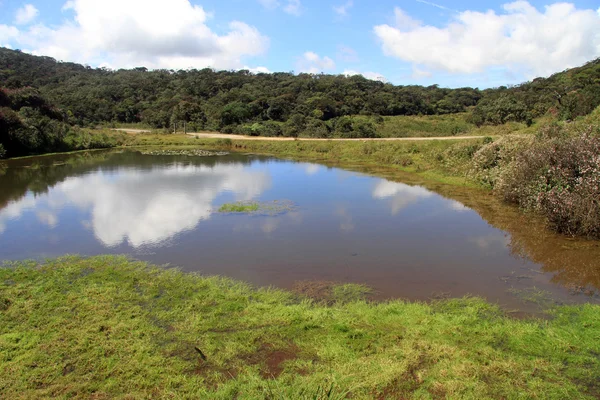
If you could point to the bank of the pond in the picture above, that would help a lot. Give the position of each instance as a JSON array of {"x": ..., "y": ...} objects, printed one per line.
[
  {"x": 440, "y": 160},
  {"x": 108, "y": 327}
]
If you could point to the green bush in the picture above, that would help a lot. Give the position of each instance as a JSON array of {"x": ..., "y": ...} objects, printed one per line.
[{"x": 556, "y": 173}]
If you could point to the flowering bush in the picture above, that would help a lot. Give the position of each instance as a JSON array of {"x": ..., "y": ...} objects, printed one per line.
[{"x": 556, "y": 174}]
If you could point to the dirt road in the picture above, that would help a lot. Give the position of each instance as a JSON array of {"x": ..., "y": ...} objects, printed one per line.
[{"x": 212, "y": 135}]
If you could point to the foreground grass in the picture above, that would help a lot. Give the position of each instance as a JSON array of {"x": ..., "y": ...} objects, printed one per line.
[{"x": 107, "y": 327}]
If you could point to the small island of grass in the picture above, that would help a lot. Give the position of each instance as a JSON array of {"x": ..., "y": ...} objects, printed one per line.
[
  {"x": 264, "y": 208},
  {"x": 238, "y": 207}
]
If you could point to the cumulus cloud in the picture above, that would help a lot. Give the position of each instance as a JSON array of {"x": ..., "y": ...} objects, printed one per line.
[
  {"x": 374, "y": 76},
  {"x": 155, "y": 34},
  {"x": 520, "y": 37},
  {"x": 312, "y": 63},
  {"x": 258, "y": 70},
  {"x": 342, "y": 10},
  {"x": 8, "y": 33},
  {"x": 26, "y": 14},
  {"x": 293, "y": 7}
]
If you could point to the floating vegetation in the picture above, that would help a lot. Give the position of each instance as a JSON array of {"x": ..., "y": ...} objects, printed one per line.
[
  {"x": 265, "y": 208},
  {"x": 238, "y": 208},
  {"x": 185, "y": 152}
]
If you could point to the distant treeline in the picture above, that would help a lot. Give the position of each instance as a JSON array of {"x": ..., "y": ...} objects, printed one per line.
[
  {"x": 30, "y": 125},
  {"x": 60, "y": 95}
]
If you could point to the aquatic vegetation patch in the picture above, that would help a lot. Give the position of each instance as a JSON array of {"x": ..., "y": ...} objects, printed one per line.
[
  {"x": 238, "y": 207},
  {"x": 185, "y": 152},
  {"x": 265, "y": 208}
]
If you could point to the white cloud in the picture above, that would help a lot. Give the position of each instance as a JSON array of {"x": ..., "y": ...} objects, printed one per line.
[
  {"x": 342, "y": 10},
  {"x": 519, "y": 37},
  {"x": 312, "y": 63},
  {"x": 156, "y": 34},
  {"x": 405, "y": 22},
  {"x": 258, "y": 70},
  {"x": 8, "y": 33},
  {"x": 69, "y": 5},
  {"x": 293, "y": 7},
  {"x": 26, "y": 14},
  {"x": 374, "y": 76}
]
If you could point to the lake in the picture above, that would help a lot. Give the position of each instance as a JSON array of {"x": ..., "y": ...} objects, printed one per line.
[{"x": 404, "y": 241}]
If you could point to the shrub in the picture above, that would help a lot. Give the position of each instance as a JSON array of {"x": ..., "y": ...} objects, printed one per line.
[
  {"x": 2, "y": 151},
  {"x": 557, "y": 174}
]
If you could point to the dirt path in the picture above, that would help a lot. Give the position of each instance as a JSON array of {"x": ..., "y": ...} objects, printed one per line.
[
  {"x": 127, "y": 130},
  {"x": 212, "y": 135}
]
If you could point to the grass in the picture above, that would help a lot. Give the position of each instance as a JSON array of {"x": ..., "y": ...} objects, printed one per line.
[
  {"x": 440, "y": 160},
  {"x": 264, "y": 208},
  {"x": 239, "y": 207},
  {"x": 107, "y": 327}
]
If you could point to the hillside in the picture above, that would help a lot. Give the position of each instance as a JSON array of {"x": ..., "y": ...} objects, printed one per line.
[{"x": 278, "y": 104}]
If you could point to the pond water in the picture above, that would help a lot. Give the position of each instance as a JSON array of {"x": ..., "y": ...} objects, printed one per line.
[{"x": 403, "y": 241}]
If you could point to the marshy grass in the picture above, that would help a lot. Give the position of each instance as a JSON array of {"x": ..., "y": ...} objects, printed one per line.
[
  {"x": 264, "y": 208},
  {"x": 239, "y": 207},
  {"x": 110, "y": 327}
]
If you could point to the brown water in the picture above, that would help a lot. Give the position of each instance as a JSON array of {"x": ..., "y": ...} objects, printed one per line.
[{"x": 403, "y": 240}]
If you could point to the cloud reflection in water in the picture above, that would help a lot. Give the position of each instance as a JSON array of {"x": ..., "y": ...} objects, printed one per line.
[{"x": 145, "y": 207}]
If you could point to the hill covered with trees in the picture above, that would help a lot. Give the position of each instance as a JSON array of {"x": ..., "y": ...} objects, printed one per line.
[{"x": 61, "y": 95}]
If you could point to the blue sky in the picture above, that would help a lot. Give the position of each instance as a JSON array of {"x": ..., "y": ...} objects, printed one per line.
[{"x": 466, "y": 43}]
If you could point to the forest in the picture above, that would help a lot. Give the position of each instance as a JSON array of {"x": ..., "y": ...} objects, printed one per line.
[{"x": 43, "y": 102}]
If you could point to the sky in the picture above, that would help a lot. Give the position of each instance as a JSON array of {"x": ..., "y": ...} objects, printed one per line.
[{"x": 483, "y": 43}]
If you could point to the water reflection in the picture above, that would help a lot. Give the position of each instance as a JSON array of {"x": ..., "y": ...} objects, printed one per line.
[
  {"x": 401, "y": 195},
  {"x": 14, "y": 210},
  {"x": 144, "y": 207},
  {"x": 160, "y": 208}
]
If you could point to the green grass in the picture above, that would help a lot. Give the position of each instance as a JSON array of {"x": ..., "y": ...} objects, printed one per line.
[
  {"x": 441, "y": 160},
  {"x": 239, "y": 207},
  {"x": 107, "y": 327}
]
